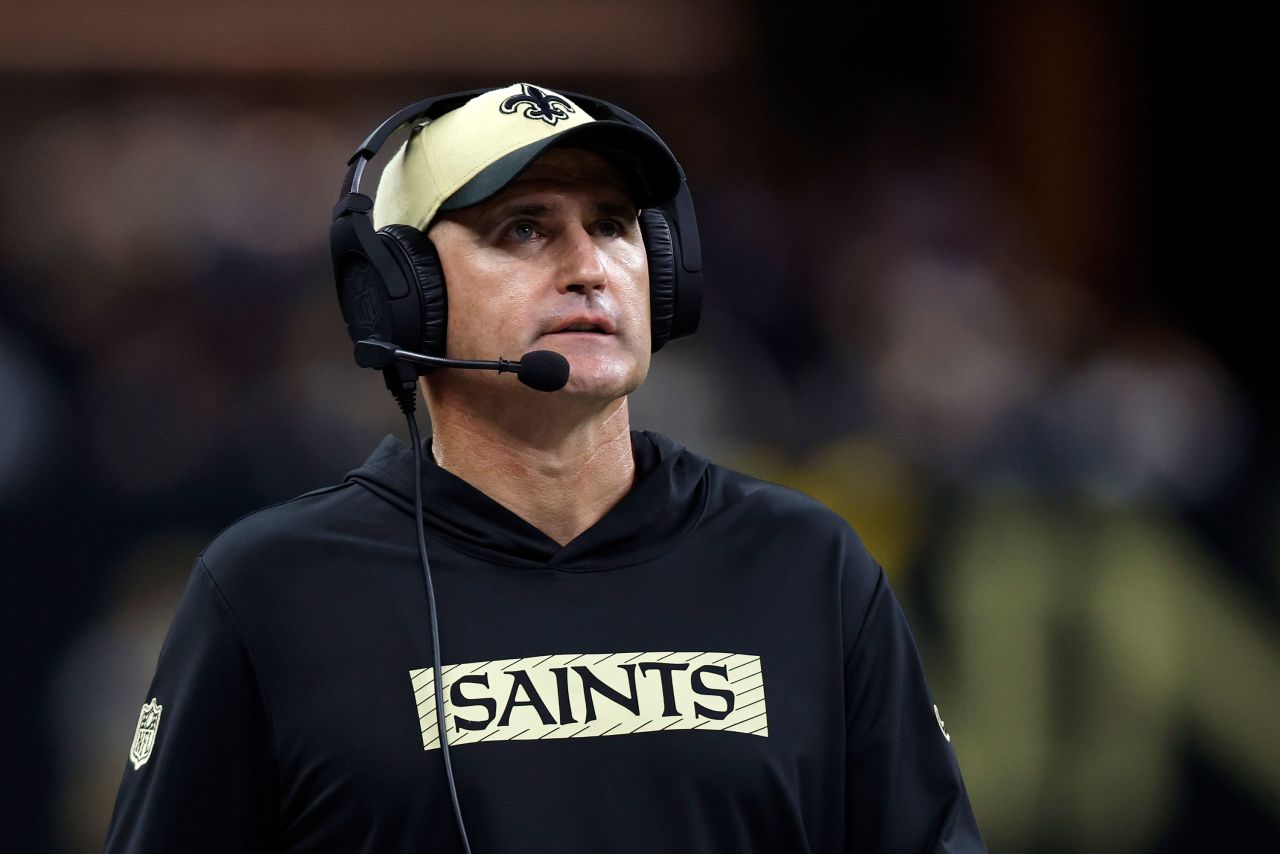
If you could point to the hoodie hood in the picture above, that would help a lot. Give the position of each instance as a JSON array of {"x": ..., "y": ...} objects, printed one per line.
[{"x": 665, "y": 503}]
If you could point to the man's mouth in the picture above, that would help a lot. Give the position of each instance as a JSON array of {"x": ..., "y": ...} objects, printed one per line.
[{"x": 583, "y": 324}]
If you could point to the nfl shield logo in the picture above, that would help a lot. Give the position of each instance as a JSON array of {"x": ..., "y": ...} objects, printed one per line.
[{"x": 145, "y": 738}]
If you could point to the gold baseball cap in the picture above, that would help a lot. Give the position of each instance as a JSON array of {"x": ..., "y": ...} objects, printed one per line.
[{"x": 468, "y": 154}]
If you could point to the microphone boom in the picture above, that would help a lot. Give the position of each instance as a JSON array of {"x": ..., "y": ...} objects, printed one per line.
[{"x": 542, "y": 370}]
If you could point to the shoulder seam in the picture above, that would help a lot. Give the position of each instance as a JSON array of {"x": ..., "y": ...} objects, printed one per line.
[
  {"x": 253, "y": 664},
  {"x": 881, "y": 581},
  {"x": 321, "y": 491}
]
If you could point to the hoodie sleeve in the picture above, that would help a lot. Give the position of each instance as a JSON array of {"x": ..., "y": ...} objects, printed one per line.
[
  {"x": 200, "y": 775},
  {"x": 903, "y": 790}
]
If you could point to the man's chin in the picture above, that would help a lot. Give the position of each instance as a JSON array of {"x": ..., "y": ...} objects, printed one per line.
[
  {"x": 601, "y": 379},
  {"x": 593, "y": 377}
]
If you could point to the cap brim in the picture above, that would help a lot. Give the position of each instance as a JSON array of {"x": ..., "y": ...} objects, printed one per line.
[{"x": 644, "y": 161}]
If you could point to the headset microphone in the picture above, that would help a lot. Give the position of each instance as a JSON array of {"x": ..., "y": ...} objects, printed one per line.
[
  {"x": 540, "y": 370},
  {"x": 543, "y": 370}
]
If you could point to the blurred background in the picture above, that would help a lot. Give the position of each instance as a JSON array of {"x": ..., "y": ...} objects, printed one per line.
[{"x": 972, "y": 280}]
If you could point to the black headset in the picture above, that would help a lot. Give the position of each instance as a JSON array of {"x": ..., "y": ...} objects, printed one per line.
[{"x": 391, "y": 286}]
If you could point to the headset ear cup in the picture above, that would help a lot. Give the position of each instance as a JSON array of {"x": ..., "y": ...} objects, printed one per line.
[
  {"x": 415, "y": 252},
  {"x": 656, "y": 232},
  {"x": 362, "y": 296}
]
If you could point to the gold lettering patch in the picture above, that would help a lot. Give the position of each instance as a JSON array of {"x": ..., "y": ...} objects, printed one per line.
[{"x": 593, "y": 694}]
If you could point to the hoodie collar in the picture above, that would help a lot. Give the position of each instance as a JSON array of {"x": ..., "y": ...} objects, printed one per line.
[{"x": 663, "y": 505}]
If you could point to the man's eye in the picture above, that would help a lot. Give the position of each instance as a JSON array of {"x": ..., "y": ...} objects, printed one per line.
[
  {"x": 609, "y": 228},
  {"x": 523, "y": 231}
]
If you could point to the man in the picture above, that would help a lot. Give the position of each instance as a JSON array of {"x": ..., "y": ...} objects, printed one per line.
[{"x": 642, "y": 651}]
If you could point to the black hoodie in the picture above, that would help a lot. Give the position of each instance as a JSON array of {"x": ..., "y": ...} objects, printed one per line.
[{"x": 716, "y": 665}]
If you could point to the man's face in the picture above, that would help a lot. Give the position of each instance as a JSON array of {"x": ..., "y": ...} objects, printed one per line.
[{"x": 555, "y": 261}]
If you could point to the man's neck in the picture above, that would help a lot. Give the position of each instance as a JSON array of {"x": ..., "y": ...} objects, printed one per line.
[{"x": 559, "y": 477}]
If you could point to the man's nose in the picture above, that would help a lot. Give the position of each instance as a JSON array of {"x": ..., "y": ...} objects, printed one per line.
[{"x": 582, "y": 262}]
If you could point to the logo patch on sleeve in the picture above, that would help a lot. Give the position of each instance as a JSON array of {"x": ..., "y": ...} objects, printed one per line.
[
  {"x": 144, "y": 738},
  {"x": 593, "y": 694},
  {"x": 937, "y": 714}
]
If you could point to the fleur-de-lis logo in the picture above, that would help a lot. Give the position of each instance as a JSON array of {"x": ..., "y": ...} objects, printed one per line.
[{"x": 538, "y": 105}]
